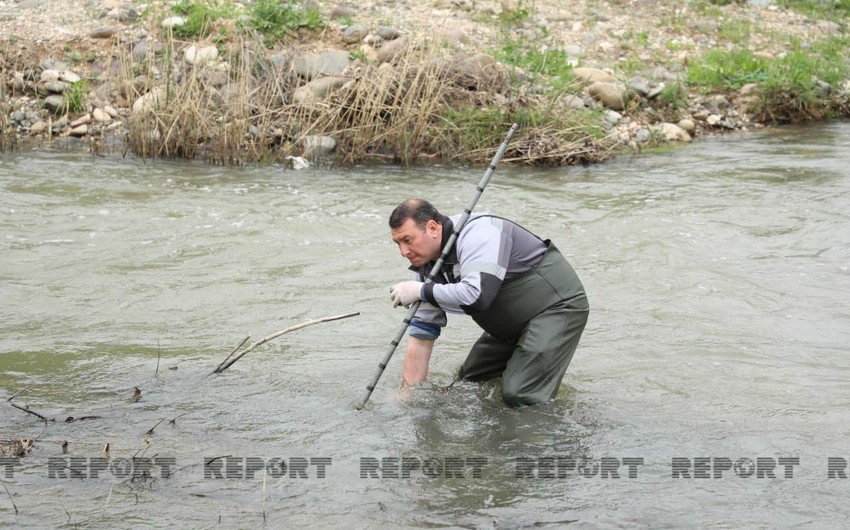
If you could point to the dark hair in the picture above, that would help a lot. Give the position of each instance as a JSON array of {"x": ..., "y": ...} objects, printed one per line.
[{"x": 420, "y": 210}]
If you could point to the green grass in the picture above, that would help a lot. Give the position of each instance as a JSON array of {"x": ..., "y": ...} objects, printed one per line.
[
  {"x": 674, "y": 96},
  {"x": 788, "y": 85},
  {"x": 719, "y": 70},
  {"x": 820, "y": 9},
  {"x": 274, "y": 19},
  {"x": 75, "y": 96},
  {"x": 551, "y": 66},
  {"x": 200, "y": 16}
]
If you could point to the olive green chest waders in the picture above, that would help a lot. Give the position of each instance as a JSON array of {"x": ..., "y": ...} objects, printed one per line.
[{"x": 531, "y": 331}]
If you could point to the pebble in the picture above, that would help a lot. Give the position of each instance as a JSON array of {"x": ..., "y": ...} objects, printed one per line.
[{"x": 103, "y": 32}]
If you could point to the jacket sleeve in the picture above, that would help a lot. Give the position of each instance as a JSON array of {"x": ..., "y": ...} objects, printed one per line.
[
  {"x": 483, "y": 251},
  {"x": 428, "y": 320}
]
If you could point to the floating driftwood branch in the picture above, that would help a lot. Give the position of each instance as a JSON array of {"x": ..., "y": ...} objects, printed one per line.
[
  {"x": 218, "y": 368},
  {"x": 28, "y": 411},
  {"x": 225, "y": 364}
]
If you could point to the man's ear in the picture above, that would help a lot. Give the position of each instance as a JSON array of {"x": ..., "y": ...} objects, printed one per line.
[{"x": 432, "y": 227}]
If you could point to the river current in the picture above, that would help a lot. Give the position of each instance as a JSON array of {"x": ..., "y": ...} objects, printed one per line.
[{"x": 709, "y": 389}]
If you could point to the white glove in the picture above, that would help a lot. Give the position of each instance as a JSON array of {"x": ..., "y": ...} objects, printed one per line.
[{"x": 405, "y": 293}]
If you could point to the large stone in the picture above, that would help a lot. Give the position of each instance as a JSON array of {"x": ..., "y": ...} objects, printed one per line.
[
  {"x": 611, "y": 95},
  {"x": 150, "y": 101},
  {"x": 312, "y": 65},
  {"x": 38, "y": 127},
  {"x": 101, "y": 115},
  {"x": 200, "y": 55},
  {"x": 478, "y": 72},
  {"x": 318, "y": 89},
  {"x": 315, "y": 146},
  {"x": 355, "y": 33},
  {"x": 673, "y": 133},
  {"x": 49, "y": 75},
  {"x": 388, "y": 33},
  {"x": 391, "y": 49},
  {"x": 82, "y": 130},
  {"x": 172, "y": 22},
  {"x": 592, "y": 75},
  {"x": 85, "y": 119},
  {"x": 54, "y": 103},
  {"x": 54, "y": 87}
]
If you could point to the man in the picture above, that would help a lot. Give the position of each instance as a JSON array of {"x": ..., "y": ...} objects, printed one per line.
[{"x": 516, "y": 286}]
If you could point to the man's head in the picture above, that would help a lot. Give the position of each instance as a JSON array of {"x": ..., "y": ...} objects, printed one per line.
[{"x": 416, "y": 229}]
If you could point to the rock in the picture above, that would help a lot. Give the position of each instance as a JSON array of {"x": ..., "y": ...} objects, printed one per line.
[
  {"x": 123, "y": 13},
  {"x": 54, "y": 103},
  {"x": 82, "y": 130},
  {"x": 478, "y": 71},
  {"x": 673, "y": 133},
  {"x": 701, "y": 115},
  {"x": 103, "y": 32},
  {"x": 589, "y": 76},
  {"x": 54, "y": 87},
  {"x": 640, "y": 85},
  {"x": 388, "y": 33},
  {"x": 748, "y": 89},
  {"x": 339, "y": 12},
  {"x": 391, "y": 49},
  {"x": 18, "y": 116},
  {"x": 824, "y": 88},
  {"x": 111, "y": 111},
  {"x": 611, "y": 95},
  {"x": 150, "y": 101},
  {"x": 140, "y": 51},
  {"x": 687, "y": 125},
  {"x": 82, "y": 120},
  {"x": 643, "y": 135},
  {"x": 318, "y": 89},
  {"x": 655, "y": 92},
  {"x": 69, "y": 77},
  {"x": 101, "y": 116},
  {"x": 312, "y": 65},
  {"x": 355, "y": 33},
  {"x": 573, "y": 102},
  {"x": 573, "y": 51},
  {"x": 49, "y": 75},
  {"x": 713, "y": 119},
  {"x": 38, "y": 127},
  {"x": 613, "y": 117},
  {"x": 199, "y": 56},
  {"x": 216, "y": 77},
  {"x": 172, "y": 22},
  {"x": 315, "y": 146}
]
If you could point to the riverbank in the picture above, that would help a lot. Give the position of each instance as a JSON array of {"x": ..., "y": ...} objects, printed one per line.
[{"x": 236, "y": 83}]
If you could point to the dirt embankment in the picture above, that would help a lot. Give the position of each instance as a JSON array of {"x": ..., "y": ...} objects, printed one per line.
[{"x": 626, "y": 55}]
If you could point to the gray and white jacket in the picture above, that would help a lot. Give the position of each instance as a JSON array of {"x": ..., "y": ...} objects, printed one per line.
[{"x": 490, "y": 250}]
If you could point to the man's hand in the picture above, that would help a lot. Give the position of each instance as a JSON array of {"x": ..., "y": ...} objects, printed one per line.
[{"x": 405, "y": 293}]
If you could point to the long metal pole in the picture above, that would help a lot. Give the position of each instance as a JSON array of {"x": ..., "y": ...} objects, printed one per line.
[{"x": 437, "y": 266}]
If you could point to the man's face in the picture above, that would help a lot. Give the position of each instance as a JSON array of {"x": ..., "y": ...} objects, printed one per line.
[{"x": 417, "y": 245}]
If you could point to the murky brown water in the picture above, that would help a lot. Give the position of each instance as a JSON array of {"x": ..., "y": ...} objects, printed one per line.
[{"x": 718, "y": 275}]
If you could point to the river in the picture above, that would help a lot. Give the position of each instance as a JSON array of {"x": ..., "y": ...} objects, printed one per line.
[{"x": 709, "y": 389}]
